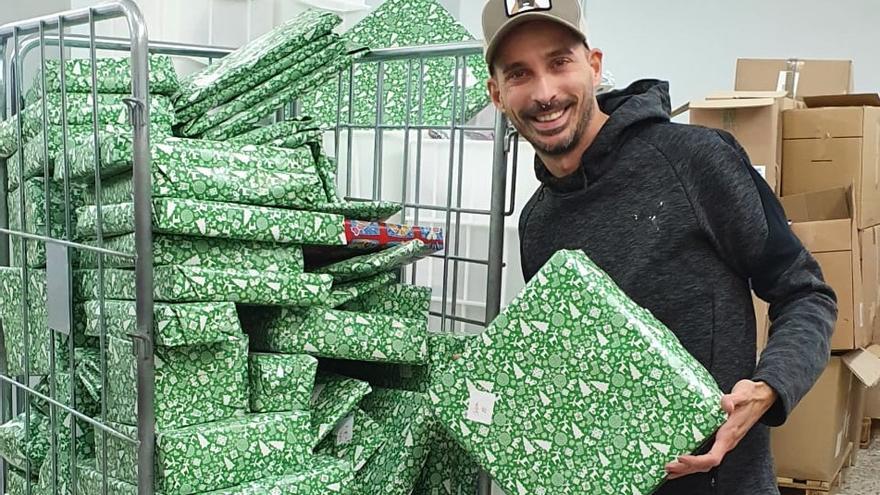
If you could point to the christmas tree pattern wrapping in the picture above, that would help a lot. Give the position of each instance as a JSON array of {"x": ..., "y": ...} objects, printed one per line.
[
  {"x": 197, "y": 284},
  {"x": 409, "y": 426},
  {"x": 337, "y": 334},
  {"x": 354, "y": 439},
  {"x": 34, "y": 196},
  {"x": 217, "y": 455},
  {"x": 113, "y": 76},
  {"x": 369, "y": 265},
  {"x": 343, "y": 293},
  {"x": 281, "y": 382},
  {"x": 368, "y": 211},
  {"x": 257, "y": 60},
  {"x": 13, "y": 441},
  {"x": 333, "y": 397},
  {"x": 449, "y": 470},
  {"x": 219, "y": 220},
  {"x": 16, "y": 483},
  {"x": 213, "y": 254},
  {"x": 400, "y": 300},
  {"x": 576, "y": 389},
  {"x": 8, "y": 136},
  {"x": 297, "y": 132},
  {"x": 397, "y": 23}
]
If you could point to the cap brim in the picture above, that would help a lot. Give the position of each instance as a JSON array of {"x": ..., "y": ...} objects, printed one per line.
[{"x": 521, "y": 19}]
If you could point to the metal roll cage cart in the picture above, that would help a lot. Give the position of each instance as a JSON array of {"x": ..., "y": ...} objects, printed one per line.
[{"x": 17, "y": 392}]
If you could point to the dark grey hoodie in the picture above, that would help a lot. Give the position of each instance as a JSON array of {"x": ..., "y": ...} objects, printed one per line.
[{"x": 680, "y": 220}]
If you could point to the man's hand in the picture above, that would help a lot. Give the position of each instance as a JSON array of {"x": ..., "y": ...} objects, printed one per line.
[{"x": 745, "y": 405}]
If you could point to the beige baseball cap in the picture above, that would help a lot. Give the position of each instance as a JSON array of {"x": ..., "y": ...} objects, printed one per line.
[{"x": 500, "y": 17}]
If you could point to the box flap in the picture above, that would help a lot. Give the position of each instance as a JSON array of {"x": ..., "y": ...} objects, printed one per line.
[
  {"x": 732, "y": 95},
  {"x": 831, "y": 204},
  {"x": 855, "y": 100},
  {"x": 865, "y": 366},
  {"x": 874, "y": 349},
  {"x": 709, "y": 104}
]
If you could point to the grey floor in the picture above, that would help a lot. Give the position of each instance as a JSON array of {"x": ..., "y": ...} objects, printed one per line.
[{"x": 864, "y": 478}]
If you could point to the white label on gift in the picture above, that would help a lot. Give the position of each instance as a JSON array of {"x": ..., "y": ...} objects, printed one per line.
[
  {"x": 345, "y": 430},
  {"x": 316, "y": 392},
  {"x": 481, "y": 406}
]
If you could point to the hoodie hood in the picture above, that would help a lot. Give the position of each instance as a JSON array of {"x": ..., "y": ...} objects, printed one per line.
[{"x": 645, "y": 101}]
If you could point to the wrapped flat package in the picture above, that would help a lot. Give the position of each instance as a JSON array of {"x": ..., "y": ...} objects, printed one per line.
[
  {"x": 367, "y": 235},
  {"x": 355, "y": 439},
  {"x": 34, "y": 195},
  {"x": 281, "y": 382},
  {"x": 213, "y": 254},
  {"x": 333, "y": 397},
  {"x": 13, "y": 441},
  {"x": 291, "y": 133},
  {"x": 16, "y": 483},
  {"x": 449, "y": 469},
  {"x": 8, "y": 137},
  {"x": 369, "y": 211},
  {"x": 409, "y": 426},
  {"x": 219, "y": 220},
  {"x": 338, "y": 334},
  {"x": 401, "y": 300},
  {"x": 343, "y": 293},
  {"x": 176, "y": 283},
  {"x": 369, "y": 265},
  {"x": 397, "y": 23},
  {"x": 576, "y": 389}
]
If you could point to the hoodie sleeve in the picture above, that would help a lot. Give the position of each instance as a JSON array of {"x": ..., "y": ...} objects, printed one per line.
[{"x": 747, "y": 225}]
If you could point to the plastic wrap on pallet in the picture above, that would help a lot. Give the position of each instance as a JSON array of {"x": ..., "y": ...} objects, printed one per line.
[
  {"x": 219, "y": 220},
  {"x": 333, "y": 397},
  {"x": 281, "y": 382},
  {"x": 355, "y": 438},
  {"x": 369, "y": 265},
  {"x": 343, "y": 293},
  {"x": 402, "y": 300},
  {"x": 196, "y": 284},
  {"x": 663, "y": 403},
  {"x": 367, "y": 235}
]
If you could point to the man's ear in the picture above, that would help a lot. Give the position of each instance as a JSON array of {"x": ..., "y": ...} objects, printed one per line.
[
  {"x": 495, "y": 93},
  {"x": 595, "y": 61}
]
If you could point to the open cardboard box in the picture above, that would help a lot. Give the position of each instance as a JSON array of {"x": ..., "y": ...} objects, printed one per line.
[{"x": 797, "y": 77}]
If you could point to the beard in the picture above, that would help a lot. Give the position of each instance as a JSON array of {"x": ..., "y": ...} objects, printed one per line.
[{"x": 521, "y": 121}]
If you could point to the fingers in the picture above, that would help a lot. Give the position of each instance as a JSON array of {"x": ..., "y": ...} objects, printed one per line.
[{"x": 690, "y": 464}]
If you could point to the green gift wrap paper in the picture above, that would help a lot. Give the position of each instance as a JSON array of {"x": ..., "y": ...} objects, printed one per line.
[
  {"x": 8, "y": 137},
  {"x": 34, "y": 195},
  {"x": 220, "y": 220},
  {"x": 217, "y": 455},
  {"x": 197, "y": 284},
  {"x": 343, "y": 293},
  {"x": 369, "y": 211},
  {"x": 333, "y": 397},
  {"x": 401, "y": 300},
  {"x": 355, "y": 439},
  {"x": 371, "y": 264},
  {"x": 281, "y": 382},
  {"x": 16, "y": 483},
  {"x": 13, "y": 441},
  {"x": 576, "y": 389},
  {"x": 213, "y": 254},
  {"x": 449, "y": 470},
  {"x": 291, "y": 133},
  {"x": 257, "y": 60}
]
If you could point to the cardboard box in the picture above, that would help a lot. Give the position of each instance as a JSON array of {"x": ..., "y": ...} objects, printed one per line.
[
  {"x": 869, "y": 245},
  {"x": 798, "y": 78},
  {"x": 812, "y": 444},
  {"x": 823, "y": 222},
  {"x": 834, "y": 143},
  {"x": 762, "y": 322},
  {"x": 872, "y": 395},
  {"x": 754, "y": 118}
]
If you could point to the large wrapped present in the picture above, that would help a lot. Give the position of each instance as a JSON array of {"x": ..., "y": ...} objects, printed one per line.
[
  {"x": 397, "y": 23},
  {"x": 409, "y": 426},
  {"x": 343, "y": 293},
  {"x": 8, "y": 137},
  {"x": 213, "y": 254},
  {"x": 281, "y": 382},
  {"x": 14, "y": 441},
  {"x": 368, "y": 265},
  {"x": 258, "y": 60},
  {"x": 196, "y": 284},
  {"x": 36, "y": 220},
  {"x": 367, "y": 211},
  {"x": 17, "y": 483},
  {"x": 401, "y": 300},
  {"x": 355, "y": 439},
  {"x": 217, "y": 455},
  {"x": 448, "y": 470},
  {"x": 333, "y": 397},
  {"x": 290, "y": 133},
  {"x": 222, "y": 220},
  {"x": 576, "y": 389}
]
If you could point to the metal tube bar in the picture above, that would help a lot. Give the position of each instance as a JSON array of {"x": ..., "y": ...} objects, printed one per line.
[
  {"x": 450, "y": 173},
  {"x": 74, "y": 17},
  {"x": 377, "y": 136},
  {"x": 460, "y": 49},
  {"x": 419, "y": 135},
  {"x": 84, "y": 247},
  {"x": 426, "y": 127},
  {"x": 459, "y": 319},
  {"x": 432, "y": 207}
]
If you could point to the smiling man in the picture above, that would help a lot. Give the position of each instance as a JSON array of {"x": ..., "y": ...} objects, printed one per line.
[{"x": 678, "y": 218}]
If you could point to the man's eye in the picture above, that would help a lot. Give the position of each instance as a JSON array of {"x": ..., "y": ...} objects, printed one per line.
[
  {"x": 517, "y": 74},
  {"x": 559, "y": 62}
]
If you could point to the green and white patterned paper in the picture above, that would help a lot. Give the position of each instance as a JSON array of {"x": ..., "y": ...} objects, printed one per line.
[
  {"x": 368, "y": 265},
  {"x": 333, "y": 397},
  {"x": 368, "y": 211},
  {"x": 401, "y": 300},
  {"x": 576, "y": 389},
  {"x": 34, "y": 195},
  {"x": 355, "y": 439},
  {"x": 343, "y": 293},
  {"x": 281, "y": 382},
  {"x": 449, "y": 470},
  {"x": 291, "y": 133}
]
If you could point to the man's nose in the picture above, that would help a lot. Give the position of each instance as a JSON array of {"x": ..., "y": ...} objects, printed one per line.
[{"x": 544, "y": 91}]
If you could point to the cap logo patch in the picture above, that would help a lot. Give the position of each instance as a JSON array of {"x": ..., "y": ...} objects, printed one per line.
[{"x": 516, "y": 7}]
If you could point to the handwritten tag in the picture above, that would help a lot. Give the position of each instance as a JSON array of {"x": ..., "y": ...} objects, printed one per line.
[{"x": 481, "y": 407}]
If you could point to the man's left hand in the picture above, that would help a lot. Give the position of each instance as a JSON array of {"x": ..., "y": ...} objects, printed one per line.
[{"x": 745, "y": 405}]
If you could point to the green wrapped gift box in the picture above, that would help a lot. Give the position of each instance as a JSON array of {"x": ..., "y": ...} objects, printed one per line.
[
  {"x": 331, "y": 333},
  {"x": 368, "y": 211},
  {"x": 8, "y": 137},
  {"x": 196, "y": 284},
  {"x": 355, "y": 439},
  {"x": 575, "y": 389},
  {"x": 448, "y": 470},
  {"x": 35, "y": 205},
  {"x": 281, "y": 382},
  {"x": 17, "y": 484},
  {"x": 401, "y": 300},
  {"x": 13, "y": 441},
  {"x": 333, "y": 397},
  {"x": 217, "y": 455},
  {"x": 222, "y": 220},
  {"x": 372, "y": 264},
  {"x": 291, "y": 133},
  {"x": 213, "y": 254},
  {"x": 409, "y": 426},
  {"x": 343, "y": 293}
]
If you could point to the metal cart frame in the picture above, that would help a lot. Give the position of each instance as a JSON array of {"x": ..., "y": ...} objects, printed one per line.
[{"x": 39, "y": 33}]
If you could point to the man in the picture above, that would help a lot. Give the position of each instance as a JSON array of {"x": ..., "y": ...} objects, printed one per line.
[{"x": 678, "y": 218}]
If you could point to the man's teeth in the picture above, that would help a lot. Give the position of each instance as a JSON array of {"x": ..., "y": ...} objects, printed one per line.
[{"x": 550, "y": 117}]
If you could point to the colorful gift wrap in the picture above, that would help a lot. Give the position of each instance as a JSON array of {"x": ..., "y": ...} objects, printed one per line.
[
  {"x": 448, "y": 470},
  {"x": 290, "y": 133},
  {"x": 219, "y": 220},
  {"x": 344, "y": 335},
  {"x": 576, "y": 389},
  {"x": 257, "y": 60},
  {"x": 176, "y": 283},
  {"x": 362, "y": 234},
  {"x": 213, "y": 254},
  {"x": 343, "y": 293},
  {"x": 194, "y": 384},
  {"x": 355, "y": 439},
  {"x": 35, "y": 205},
  {"x": 409, "y": 427},
  {"x": 333, "y": 397},
  {"x": 397, "y": 23},
  {"x": 401, "y": 300},
  {"x": 369, "y": 265},
  {"x": 218, "y": 455},
  {"x": 281, "y": 382},
  {"x": 113, "y": 76}
]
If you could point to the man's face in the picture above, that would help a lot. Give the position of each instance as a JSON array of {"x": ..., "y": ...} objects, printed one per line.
[{"x": 544, "y": 79}]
